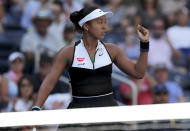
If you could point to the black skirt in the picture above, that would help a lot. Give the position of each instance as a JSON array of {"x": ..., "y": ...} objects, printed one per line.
[{"x": 102, "y": 101}]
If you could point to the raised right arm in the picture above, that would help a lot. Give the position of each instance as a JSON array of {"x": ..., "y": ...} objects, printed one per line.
[{"x": 62, "y": 60}]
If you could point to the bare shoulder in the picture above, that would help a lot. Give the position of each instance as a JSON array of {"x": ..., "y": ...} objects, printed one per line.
[
  {"x": 111, "y": 46},
  {"x": 66, "y": 53},
  {"x": 67, "y": 48},
  {"x": 113, "y": 49}
]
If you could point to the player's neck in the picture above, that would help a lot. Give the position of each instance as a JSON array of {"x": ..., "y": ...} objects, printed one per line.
[{"x": 90, "y": 43}]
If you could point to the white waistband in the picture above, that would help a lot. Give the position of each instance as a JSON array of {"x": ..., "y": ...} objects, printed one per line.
[{"x": 93, "y": 96}]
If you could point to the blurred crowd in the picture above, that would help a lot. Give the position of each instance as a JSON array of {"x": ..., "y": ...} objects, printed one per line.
[{"x": 33, "y": 31}]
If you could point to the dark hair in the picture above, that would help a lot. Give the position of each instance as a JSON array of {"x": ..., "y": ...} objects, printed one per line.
[
  {"x": 158, "y": 18},
  {"x": 44, "y": 59},
  {"x": 76, "y": 16},
  {"x": 59, "y": 3},
  {"x": 143, "y": 4},
  {"x": 31, "y": 81},
  {"x": 69, "y": 28},
  {"x": 160, "y": 88}
]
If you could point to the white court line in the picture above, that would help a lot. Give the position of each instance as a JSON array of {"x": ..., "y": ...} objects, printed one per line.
[{"x": 97, "y": 115}]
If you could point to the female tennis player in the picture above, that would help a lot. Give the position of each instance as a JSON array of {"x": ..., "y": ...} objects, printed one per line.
[{"x": 89, "y": 62}]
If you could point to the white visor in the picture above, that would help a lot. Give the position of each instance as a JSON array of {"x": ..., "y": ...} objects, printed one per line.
[
  {"x": 15, "y": 55},
  {"x": 93, "y": 15}
]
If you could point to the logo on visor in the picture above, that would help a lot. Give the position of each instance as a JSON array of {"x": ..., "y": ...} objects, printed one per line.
[{"x": 80, "y": 59}]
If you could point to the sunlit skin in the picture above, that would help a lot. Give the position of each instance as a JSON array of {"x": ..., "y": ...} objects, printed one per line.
[
  {"x": 93, "y": 31},
  {"x": 97, "y": 28}
]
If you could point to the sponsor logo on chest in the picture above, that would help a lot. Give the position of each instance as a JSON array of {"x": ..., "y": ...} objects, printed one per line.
[{"x": 80, "y": 61}]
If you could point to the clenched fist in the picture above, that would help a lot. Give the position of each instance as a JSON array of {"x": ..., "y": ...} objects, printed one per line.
[{"x": 143, "y": 33}]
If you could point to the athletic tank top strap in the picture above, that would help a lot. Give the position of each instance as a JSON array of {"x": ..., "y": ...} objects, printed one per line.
[
  {"x": 106, "y": 50},
  {"x": 76, "y": 43}
]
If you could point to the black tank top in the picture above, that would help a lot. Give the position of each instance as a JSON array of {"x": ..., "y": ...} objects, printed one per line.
[{"x": 88, "y": 78}]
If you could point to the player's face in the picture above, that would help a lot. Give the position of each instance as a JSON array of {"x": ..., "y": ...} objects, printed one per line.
[{"x": 97, "y": 27}]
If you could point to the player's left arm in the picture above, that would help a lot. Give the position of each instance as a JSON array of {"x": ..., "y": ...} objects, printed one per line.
[{"x": 137, "y": 69}]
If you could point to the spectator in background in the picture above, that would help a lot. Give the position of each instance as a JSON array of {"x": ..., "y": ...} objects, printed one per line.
[
  {"x": 179, "y": 36},
  {"x": 18, "y": 5},
  {"x": 147, "y": 13},
  {"x": 174, "y": 90},
  {"x": 69, "y": 35},
  {"x": 175, "y": 4},
  {"x": 31, "y": 7},
  {"x": 9, "y": 89},
  {"x": 131, "y": 49},
  {"x": 40, "y": 41},
  {"x": 160, "y": 94},
  {"x": 71, "y": 6},
  {"x": 101, "y": 2},
  {"x": 45, "y": 66},
  {"x": 118, "y": 12},
  {"x": 175, "y": 33},
  {"x": 124, "y": 23},
  {"x": 161, "y": 49},
  {"x": 144, "y": 90},
  {"x": 170, "y": 13},
  {"x": 188, "y": 4},
  {"x": 60, "y": 20},
  {"x": 24, "y": 101},
  {"x": 60, "y": 95},
  {"x": 130, "y": 46},
  {"x": 89, "y": 3},
  {"x": 1, "y": 15},
  {"x": 14, "y": 11},
  {"x": 115, "y": 33}
]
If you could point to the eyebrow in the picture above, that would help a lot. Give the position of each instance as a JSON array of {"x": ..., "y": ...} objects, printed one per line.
[{"x": 102, "y": 19}]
